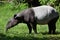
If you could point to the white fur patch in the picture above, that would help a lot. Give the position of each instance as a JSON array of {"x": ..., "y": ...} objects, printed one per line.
[{"x": 44, "y": 14}]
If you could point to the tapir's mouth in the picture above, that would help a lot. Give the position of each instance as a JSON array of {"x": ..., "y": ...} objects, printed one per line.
[
  {"x": 9, "y": 26},
  {"x": 11, "y": 23}
]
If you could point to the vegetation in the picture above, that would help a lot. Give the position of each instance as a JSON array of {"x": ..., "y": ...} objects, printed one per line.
[{"x": 20, "y": 32}]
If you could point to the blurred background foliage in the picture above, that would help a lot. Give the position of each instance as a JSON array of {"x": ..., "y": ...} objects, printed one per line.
[{"x": 21, "y": 4}]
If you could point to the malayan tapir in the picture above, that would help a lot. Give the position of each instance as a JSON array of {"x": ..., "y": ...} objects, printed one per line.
[{"x": 36, "y": 15}]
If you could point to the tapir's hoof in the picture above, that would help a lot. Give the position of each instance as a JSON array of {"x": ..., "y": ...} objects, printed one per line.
[
  {"x": 54, "y": 32},
  {"x": 36, "y": 33}
]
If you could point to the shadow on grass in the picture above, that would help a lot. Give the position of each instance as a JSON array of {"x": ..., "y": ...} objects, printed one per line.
[
  {"x": 44, "y": 33},
  {"x": 4, "y": 37}
]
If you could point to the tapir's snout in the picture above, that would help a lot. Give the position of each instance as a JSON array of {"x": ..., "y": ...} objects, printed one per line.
[{"x": 11, "y": 23}]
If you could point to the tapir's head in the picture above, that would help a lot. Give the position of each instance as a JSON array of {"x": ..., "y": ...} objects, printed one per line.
[
  {"x": 13, "y": 22},
  {"x": 20, "y": 17}
]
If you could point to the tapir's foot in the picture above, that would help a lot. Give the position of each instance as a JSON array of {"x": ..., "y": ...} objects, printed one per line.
[
  {"x": 52, "y": 33},
  {"x": 36, "y": 33},
  {"x": 49, "y": 33},
  {"x": 29, "y": 33}
]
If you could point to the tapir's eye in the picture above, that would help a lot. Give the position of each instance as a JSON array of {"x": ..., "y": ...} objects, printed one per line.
[{"x": 18, "y": 18}]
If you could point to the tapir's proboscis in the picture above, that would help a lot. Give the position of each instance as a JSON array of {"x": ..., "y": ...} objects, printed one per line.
[{"x": 36, "y": 15}]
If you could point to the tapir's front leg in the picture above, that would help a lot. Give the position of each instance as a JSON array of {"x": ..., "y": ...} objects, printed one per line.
[{"x": 29, "y": 27}]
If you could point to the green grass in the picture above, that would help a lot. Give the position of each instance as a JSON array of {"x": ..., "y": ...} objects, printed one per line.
[{"x": 20, "y": 32}]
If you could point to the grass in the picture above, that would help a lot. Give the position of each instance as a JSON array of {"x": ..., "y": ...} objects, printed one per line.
[{"x": 20, "y": 32}]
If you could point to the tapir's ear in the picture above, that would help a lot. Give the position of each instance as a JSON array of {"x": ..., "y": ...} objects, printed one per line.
[{"x": 15, "y": 15}]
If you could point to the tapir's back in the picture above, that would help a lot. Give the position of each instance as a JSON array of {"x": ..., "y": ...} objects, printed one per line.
[{"x": 44, "y": 14}]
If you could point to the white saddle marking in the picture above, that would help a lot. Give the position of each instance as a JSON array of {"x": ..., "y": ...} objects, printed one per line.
[{"x": 44, "y": 14}]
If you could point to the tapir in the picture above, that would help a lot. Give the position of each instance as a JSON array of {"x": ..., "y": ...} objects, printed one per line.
[{"x": 36, "y": 15}]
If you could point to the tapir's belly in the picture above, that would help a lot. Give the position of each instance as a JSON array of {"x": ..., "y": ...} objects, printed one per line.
[{"x": 44, "y": 19}]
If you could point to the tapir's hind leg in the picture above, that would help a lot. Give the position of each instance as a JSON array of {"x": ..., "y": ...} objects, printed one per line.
[
  {"x": 52, "y": 28},
  {"x": 35, "y": 28},
  {"x": 52, "y": 25}
]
